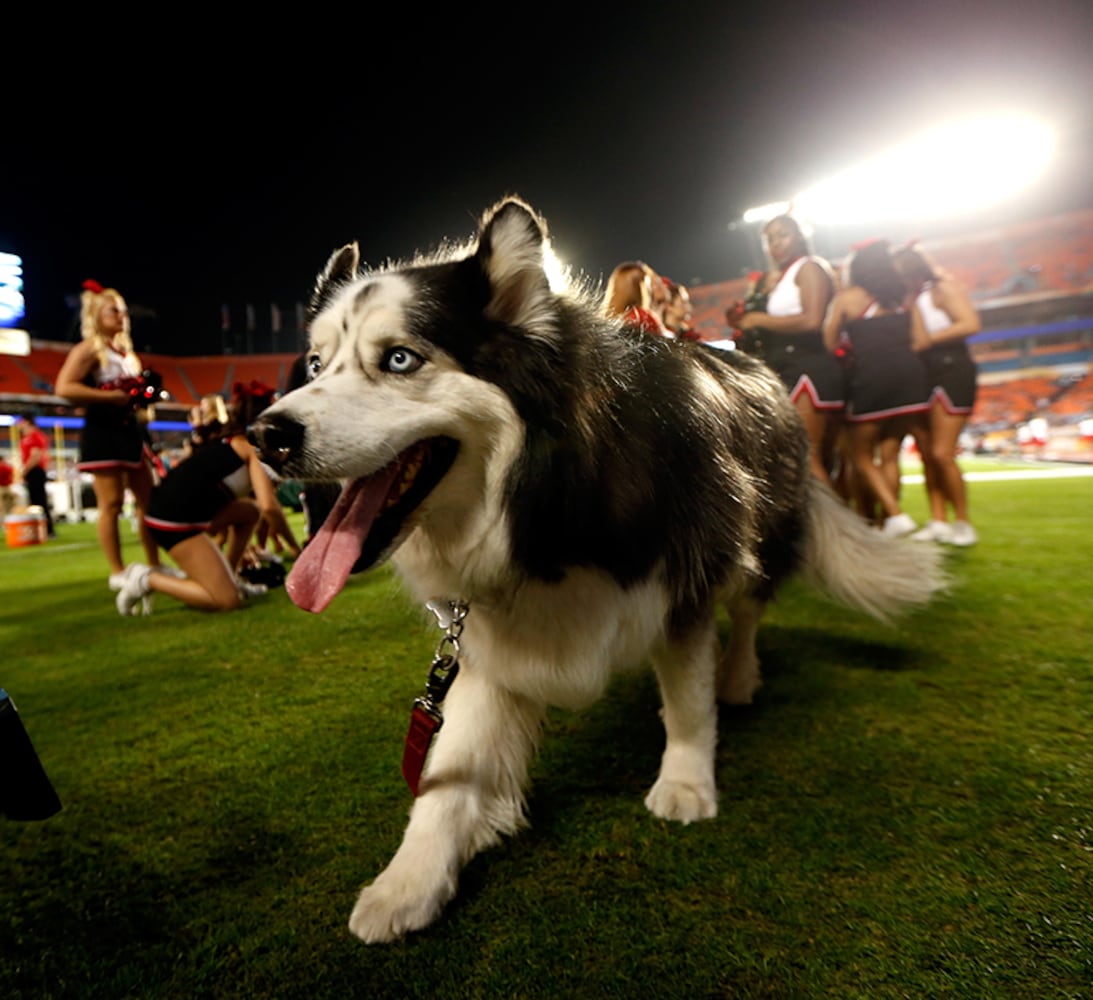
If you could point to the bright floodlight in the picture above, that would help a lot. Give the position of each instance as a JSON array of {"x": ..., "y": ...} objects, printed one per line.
[
  {"x": 765, "y": 212},
  {"x": 962, "y": 167}
]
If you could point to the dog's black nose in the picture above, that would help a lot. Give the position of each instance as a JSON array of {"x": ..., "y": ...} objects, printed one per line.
[{"x": 276, "y": 436}]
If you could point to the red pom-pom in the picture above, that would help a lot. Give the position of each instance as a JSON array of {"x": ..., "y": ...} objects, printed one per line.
[{"x": 91, "y": 285}]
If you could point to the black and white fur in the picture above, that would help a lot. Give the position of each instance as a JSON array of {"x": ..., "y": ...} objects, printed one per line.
[{"x": 609, "y": 490}]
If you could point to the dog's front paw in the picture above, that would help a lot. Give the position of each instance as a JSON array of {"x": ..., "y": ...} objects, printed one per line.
[
  {"x": 394, "y": 905},
  {"x": 681, "y": 801}
]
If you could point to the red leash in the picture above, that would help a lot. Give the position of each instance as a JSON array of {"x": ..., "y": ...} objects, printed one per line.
[{"x": 426, "y": 717}]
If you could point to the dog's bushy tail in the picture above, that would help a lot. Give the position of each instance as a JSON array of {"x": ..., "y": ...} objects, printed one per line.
[{"x": 863, "y": 569}]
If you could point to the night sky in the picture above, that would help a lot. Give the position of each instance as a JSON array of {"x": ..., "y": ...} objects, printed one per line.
[{"x": 195, "y": 164}]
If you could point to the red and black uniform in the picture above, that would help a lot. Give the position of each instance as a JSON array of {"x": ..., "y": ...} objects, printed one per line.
[
  {"x": 887, "y": 378},
  {"x": 949, "y": 364},
  {"x": 112, "y": 436},
  {"x": 185, "y": 503},
  {"x": 800, "y": 360}
]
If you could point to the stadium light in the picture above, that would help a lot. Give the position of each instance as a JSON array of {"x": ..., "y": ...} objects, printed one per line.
[
  {"x": 957, "y": 168},
  {"x": 765, "y": 212}
]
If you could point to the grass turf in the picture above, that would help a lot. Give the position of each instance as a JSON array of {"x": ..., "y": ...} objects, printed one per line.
[{"x": 905, "y": 811}]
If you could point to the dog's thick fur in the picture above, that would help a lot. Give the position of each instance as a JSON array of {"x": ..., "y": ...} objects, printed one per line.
[{"x": 591, "y": 491}]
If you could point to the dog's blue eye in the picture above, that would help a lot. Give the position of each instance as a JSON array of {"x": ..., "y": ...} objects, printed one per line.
[{"x": 402, "y": 361}]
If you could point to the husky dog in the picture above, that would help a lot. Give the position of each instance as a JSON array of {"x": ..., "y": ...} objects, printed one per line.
[{"x": 592, "y": 493}]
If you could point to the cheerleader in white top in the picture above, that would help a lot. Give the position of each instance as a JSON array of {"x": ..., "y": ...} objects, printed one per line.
[
  {"x": 786, "y": 334},
  {"x": 949, "y": 318},
  {"x": 112, "y": 443}
]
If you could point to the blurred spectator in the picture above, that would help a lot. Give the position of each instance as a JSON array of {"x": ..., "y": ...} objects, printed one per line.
[
  {"x": 7, "y": 494},
  {"x": 34, "y": 459}
]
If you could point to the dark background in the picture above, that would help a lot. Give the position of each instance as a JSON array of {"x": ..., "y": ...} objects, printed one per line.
[{"x": 193, "y": 163}]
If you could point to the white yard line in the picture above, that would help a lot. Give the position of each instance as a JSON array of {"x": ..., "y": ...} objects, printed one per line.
[{"x": 1040, "y": 472}]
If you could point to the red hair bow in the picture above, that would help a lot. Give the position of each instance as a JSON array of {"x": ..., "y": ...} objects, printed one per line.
[{"x": 91, "y": 285}]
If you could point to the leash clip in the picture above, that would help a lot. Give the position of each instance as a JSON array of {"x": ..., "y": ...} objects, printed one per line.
[
  {"x": 441, "y": 675},
  {"x": 426, "y": 717}
]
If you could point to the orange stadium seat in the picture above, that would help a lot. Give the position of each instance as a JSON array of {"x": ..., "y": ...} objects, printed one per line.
[
  {"x": 1076, "y": 400},
  {"x": 978, "y": 265},
  {"x": 14, "y": 378},
  {"x": 173, "y": 381},
  {"x": 209, "y": 376},
  {"x": 1015, "y": 401},
  {"x": 271, "y": 369},
  {"x": 45, "y": 364}
]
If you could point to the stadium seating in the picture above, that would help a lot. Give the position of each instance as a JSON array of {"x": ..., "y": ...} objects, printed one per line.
[
  {"x": 208, "y": 376},
  {"x": 1013, "y": 402},
  {"x": 15, "y": 378},
  {"x": 1076, "y": 401},
  {"x": 45, "y": 367},
  {"x": 185, "y": 379}
]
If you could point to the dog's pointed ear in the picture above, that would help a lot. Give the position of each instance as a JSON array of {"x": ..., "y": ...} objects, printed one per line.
[
  {"x": 512, "y": 241},
  {"x": 340, "y": 268}
]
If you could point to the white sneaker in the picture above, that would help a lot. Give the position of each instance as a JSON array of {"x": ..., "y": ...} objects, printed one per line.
[
  {"x": 134, "y": 590},
  {"x": 898, "y": 525},
  {"x": 935, "y": 531},
  {"x": 963, "y": 534},
  {"x": 171, "y": 571},
  {"x": 116, "y": 581},
  {"x": 248, "y": 589}
]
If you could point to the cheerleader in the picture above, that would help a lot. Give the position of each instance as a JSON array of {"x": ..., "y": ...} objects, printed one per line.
[
  {"x": 949, "y": 318},
  {"x": 786, "y": 334},
  {"x": 113, "y": 439},
  {"x": 887, "y": 390},
  {"x": 221, "y": 491},
  {"x": 634, "y": 294}
]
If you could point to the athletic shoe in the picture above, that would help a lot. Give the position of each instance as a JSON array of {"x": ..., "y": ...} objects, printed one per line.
[
  {"x": 170, "y": 571},
  {"x": 134, "y": 589},
  {"x": 935, "y": 531},
  {"x": 963, "y": 534},
  {"x": 116, "y": 581},
  {"x": 248, "y": 589},
  {"x": 898, "y": 525}
]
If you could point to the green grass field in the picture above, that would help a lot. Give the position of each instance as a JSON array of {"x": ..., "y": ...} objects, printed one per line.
[{"x": 905, "y": 812}]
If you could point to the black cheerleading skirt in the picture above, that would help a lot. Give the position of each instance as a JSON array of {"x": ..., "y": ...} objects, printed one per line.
[
  {"x": 952, "y": 375},
  {"x": 805, "y": 366},
  {"x": 112, "y": 438},
  {"x": 880, "y": 392},
  {"x": 188, "y": 499}
]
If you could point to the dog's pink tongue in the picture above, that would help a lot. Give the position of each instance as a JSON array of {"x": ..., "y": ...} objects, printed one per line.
[{"x": 321, "y": 570}]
